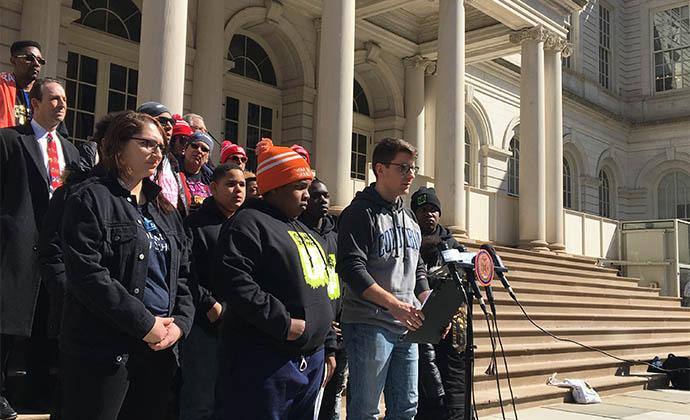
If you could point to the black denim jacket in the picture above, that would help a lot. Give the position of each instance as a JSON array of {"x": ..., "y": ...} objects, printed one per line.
[{"x": 105, "y": 250}]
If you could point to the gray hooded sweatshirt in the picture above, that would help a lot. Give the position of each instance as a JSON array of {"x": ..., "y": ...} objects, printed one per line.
[{"x": 378, "y": 242}]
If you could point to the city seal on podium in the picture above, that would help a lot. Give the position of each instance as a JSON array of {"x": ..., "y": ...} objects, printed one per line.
[{"x": 484, "y": 268}]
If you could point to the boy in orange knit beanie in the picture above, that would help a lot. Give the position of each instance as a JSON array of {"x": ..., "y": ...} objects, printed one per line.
[{"x": 274, "y": 275}]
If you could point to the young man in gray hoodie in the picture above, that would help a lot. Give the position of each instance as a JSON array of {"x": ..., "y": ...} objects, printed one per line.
[{"x": 385, "y": 280}]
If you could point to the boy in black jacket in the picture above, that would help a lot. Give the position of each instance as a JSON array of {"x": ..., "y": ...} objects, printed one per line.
[
  {"x": 199, "y": 359},
  {"x": 323, "y": 224},
  {"x": 274, "y": 275}
]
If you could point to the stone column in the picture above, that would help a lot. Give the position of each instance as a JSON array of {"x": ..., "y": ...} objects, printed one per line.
[
  {"x": 532, "y": 203},
  {"x": 41, "y": 23},
  {"x": 554, "y": 48},
  {"x": 449, "y": 165},
  {"x": 334, "y": 108},
  {"x": 430, "y": 118},
  {"x": 209, "y": 65},
  {"x": 162, "y": 53},
  {"x": 415, "y": 68}
]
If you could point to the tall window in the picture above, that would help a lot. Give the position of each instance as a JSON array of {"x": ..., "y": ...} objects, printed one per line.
[
  {"x": 604, "y": 46},
  {"x": 604, "y": 194},
  {"x": 513, "y": 176},
  {"x": 232, "y": 119},
  {"x": 251, "y": 60},
  {"x": 568, "y": 26},
  {"x": 468, "y": 157},
  {"x": 360, "y": 104},
  {"x": 567, "y": 185},
  {"x": 81, "y": 78},
  {"x": 672, "y": 49},
  {"x": 259, "y": 124},
  {"x": 674, "y": 196},
  {"x": 122, "y": 91},
  {"x": 358, "y": 157},
  {"x": 116, "y": 17}
]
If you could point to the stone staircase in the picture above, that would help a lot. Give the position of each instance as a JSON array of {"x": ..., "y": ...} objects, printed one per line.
[{"x": 573, "y": 298}]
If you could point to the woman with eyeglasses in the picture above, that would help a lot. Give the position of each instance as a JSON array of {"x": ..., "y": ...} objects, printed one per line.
[
  {"x": 196, "y": 176},
  {"x": 127, "y": 302}
]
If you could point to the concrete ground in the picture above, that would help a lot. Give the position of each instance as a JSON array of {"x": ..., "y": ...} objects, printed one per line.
[{"x": 660, "y": 404}]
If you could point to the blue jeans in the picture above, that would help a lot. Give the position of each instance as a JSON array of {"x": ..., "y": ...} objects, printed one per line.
[{"x": 379, "y": 361}]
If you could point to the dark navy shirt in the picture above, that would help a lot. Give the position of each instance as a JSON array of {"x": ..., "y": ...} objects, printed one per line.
[{"x": 157, "y": 293}]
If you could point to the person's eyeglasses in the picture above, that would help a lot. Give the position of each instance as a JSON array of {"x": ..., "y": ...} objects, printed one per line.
[
  {"x": 29, "y": 58},
  {"x": 405, "y": 168},
  {"x": 148, "y": 144},
  {"x": 197, "y": 146},
  {"x": 238, "y": 159},
  {"x": 166, "y": 121}
]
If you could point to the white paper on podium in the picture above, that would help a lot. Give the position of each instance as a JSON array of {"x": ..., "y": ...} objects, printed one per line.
[{"x": 454, "y": 255}]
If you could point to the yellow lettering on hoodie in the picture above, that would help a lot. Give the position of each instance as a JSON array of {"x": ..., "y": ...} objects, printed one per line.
[{"x": 313, "y": 260}]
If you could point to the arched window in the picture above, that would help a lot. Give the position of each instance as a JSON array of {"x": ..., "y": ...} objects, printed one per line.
[
  {"x": 360, "y": 104},
  {"x": 116, "y": 17},
  {"x": 567, "y": 185},
  {"x": 468, "y": 157},
  {"x": 674, "y": 196},
  {"x": 251, "y": 60},
  {"x": 513, "y": 176},
  {"x": 604, "y": 194}
]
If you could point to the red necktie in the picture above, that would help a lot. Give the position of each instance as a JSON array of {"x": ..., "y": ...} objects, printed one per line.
[{"x": 53, "y": 165}]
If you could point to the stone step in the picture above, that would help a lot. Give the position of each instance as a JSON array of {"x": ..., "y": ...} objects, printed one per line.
[
  {"x": 555, "y": 317},
  {"x": 561, "y": 293},
  {"x": 542, "y": 394},
  {"x": 531, "y": 374},
  {"x": 622, "y": 284},
  {"x": 528, "y": 336},
  {"x": 548, "y": 353},
  {"x": 509, "y": 258},
  {"x": 542, "y": 303},
  {"x": 537, "y": 267}
]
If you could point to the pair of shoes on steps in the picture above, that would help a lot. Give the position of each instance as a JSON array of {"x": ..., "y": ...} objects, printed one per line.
[{"x": 6, "y": 411}]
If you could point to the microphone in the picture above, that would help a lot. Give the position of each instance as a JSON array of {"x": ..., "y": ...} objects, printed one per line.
[
  {"x": 450, "y": 257},
  {"x": 501, "y": 269}
]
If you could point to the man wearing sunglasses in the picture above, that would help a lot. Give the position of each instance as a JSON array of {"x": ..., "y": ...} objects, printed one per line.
[
  {"x": 195, "y": 174},
  {"x": 27, "y": 60},
  {"x": 234, "y": 153}
]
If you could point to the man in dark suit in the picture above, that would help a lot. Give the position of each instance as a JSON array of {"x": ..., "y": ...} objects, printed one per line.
[{"x": 32, "y": 158}]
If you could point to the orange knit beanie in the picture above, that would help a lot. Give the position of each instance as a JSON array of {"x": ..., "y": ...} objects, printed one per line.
[{"x": 279, "y": 166}]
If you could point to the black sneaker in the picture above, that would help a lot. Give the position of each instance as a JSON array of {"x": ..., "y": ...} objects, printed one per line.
[{"x": 6, "y": 411}]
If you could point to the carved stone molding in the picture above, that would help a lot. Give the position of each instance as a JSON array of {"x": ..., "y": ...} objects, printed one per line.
[
  {"x": 559, "y": 44},
  {"x": 415, "y": 62},
  {"x": 551, "y": 40},
  {"x": 373, "y": 52},
  {"x": 536, "y": 33},
  {"x": 431, "y": 68},
  {"x": 274, "y": 9},
  {"x": 317, "y": 24}
]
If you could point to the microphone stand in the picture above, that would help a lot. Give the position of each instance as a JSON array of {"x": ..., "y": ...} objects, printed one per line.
[{"x": 469, "y": 342}]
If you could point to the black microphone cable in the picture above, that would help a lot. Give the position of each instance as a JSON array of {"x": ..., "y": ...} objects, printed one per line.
[
  {"x": 492, "y": 370},
  {"x": 506, "y": 284},
  {"x": 505, "y": 364}
]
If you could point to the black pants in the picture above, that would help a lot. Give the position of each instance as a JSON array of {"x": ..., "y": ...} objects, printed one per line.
[
  {"x": 40, "y": 353},
  {"x": 451, "y": 366},
  {"x": 139, "y": 389}
]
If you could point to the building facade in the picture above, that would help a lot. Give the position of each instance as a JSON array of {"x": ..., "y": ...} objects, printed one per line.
[{"x": 540, "y": 122}]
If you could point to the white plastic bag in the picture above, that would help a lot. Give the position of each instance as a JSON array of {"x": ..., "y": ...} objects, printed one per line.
[{"x": 582, "y": 392}]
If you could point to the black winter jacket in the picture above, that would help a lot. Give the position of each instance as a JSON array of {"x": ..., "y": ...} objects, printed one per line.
[
  {"x": 270, "y": 269},
  {"x": 51, "y": 263},
  {"x": 203, "y": 227},
  {"x": 106, "y": 251},
  {"x": 329, "y": 235}
]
